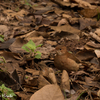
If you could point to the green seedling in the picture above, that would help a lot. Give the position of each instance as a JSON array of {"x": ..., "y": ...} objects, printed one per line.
[
  {"x": 26, "y": 77},
  {"x": 6, "y": 93},
  {"x": 4, "y": 61},
  {"x": 98, "y": 16},
  {"x": 17, "y": 9},
  {"x": 1, "y": 38},
  {"x": 65, "y": 95},
  {"x": 81, "y": 95},
  {"x": 69, "y": 51},
  {"x": 31, "y": 48},
  {"x": 27, "y": 3}
]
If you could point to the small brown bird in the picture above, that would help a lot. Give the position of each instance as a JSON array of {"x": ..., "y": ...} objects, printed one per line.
[{"x": 65, "y": 60}]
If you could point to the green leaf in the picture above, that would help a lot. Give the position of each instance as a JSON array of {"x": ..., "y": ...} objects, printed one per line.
[
  {"x": 69, "y": 51},
  {"x": 98, "y": 17},
  {"x": 8, "y": 89},
  {"x": 38, "y": 55},
  {"x": 1, "y": 61},
  {"x": 7, "y": 92},
  {"x": 31, "y": 42},
  {"x": 2, "y": 36},
  {"x": 3, "y": 86},
  {"x": 39, "y": 45},
  {"x": 31, "y": 45},
  {"x": 25, "y": 48},
  {"x": 10, "y": 93},
  {"x": 38, "y": 52},
  {"x": 36, "y": 5},
  {"x": 28, "y": 4},
  {"x": 1, "y": 39}
]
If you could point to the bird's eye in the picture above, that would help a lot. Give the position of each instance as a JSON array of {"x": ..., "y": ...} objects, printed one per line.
[{"x": 60, "y": 49}]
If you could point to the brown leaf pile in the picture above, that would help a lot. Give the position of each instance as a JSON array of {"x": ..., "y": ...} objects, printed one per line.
[{"x": 73, "y": 23}]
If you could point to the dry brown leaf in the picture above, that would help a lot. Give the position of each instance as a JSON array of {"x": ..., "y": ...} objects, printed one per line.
[
  {"x": 51, "y": 42},
  {"x": 33, "y": 72},
  {"x": 83, "y": 3},
  {"x": 17, "y": 44},
  {"x": 3, "y": 28},
  {"x": 66, "y": 0},
  {"x": 92, "y": 44},
  {"x": 62, "y": 22},
  {"x": 98, "y": 93},
  {"x": 96, "y": 37},
  {"x": 42, "y": 81},
  {"x": 92, "y": 1},
  {"x": 11, "y": 13},
  {"x": 85, "y": 54},
  {"x": 98, "y": 31},
  {"x": 52, "y": 76},
  {"x": 23, "y": 95},
  {"x": 9, "y": 56},
  {"x": 90, "y": 82},
  {"x": 60, "y": 2},
  {"x": 65, "y": 84},
  {"x": 95, "y": 61},
  {"x": 97, "y": 52},
  {"x": 90, "y": 12},
  {"x": 88, "y": 47},
  {"x": 44, "y": 68},
  {"x": 48, "y": 92},
  {"x": 66, "y": 16},
  {"x": 84, "y": 23},
  {"x": 74, "y": 20},
  {"x": 6, "y": 44},
  {"x": 45, "y": 51},
  {"x": 66, "y": 28}
]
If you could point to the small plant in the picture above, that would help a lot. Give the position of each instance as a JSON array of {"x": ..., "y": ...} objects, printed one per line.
[
  {"x": 26, "y": 77},
  {"x": 17, "y": 9},
  {"x": 27, "y": 3},
  {"x": 69, "y": 51},
  {"x": 4, "y": 61},
  {"x": 81, "y": 95},
  {"x": 6, "y": 93},
  {"x": 1, "y": 38},
  {"x": 31, "y": 48},
  {"x": 98, "y": 16}
]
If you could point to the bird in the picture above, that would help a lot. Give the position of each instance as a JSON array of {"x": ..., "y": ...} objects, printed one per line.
[{"x": 65, "y": 60}]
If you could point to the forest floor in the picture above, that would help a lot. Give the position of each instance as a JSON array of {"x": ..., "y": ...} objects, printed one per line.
[{"x": 72, "y": 23}]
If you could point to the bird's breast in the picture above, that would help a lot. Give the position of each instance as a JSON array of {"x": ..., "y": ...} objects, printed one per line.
[{"x": 59, "y": 61}]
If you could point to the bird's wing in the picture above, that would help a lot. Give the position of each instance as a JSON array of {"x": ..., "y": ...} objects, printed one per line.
[{"x": 72, "y": 56}]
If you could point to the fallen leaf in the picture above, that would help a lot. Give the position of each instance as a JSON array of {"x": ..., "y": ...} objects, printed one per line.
[{"x": 48, "y": 92}]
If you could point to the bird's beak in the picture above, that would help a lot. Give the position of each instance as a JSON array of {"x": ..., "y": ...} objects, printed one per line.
[{"x": 58, "y": 52}]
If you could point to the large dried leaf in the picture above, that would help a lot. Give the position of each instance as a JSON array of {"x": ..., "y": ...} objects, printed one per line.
[
  {"x": 66, "y": 28},
  {"x": 48, "y": 92},
  {"x": 90, "y": 12},
  {"x": 84, "y": 23},
  {"x": 65, "y": 84},
  {"x": 85, "y": 54}
]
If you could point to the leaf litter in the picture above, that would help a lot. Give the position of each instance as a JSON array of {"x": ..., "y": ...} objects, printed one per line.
[{"x": 73, "y": 23}]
